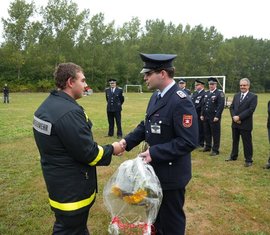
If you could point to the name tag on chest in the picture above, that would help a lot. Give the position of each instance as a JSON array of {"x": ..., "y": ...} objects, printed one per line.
[{"x": 155, "y": 129}]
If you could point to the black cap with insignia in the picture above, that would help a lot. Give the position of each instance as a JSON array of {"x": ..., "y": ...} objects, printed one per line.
[
  {"x": 199, "y": 82},
  {"x": 212, "y": 80},
  {"x": 156, "y": 61},
  {"x": 112, "y": 80}
]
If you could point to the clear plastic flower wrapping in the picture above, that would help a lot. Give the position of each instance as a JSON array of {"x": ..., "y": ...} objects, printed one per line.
[{"x": 133, "y": 196}]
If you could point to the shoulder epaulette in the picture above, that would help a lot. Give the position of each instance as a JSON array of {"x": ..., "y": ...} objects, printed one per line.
[{"x": 181, "y": 94}]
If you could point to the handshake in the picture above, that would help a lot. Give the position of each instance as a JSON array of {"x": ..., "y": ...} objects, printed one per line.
[{"x": 119, "y": 147}]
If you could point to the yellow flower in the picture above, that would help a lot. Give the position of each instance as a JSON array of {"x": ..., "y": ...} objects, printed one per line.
[
  {"x": 136, "y": 197},
  {"x": 116, "y": 191}
]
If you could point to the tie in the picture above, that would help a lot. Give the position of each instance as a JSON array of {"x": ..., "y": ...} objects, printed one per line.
[
  {"x": 158, "y": 97},
  {"x": 242, "y": 97},
  {"x": 112, "y": 90}
]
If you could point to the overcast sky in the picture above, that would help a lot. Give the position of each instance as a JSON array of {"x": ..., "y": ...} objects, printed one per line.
[{"x": 231, "y": 18}]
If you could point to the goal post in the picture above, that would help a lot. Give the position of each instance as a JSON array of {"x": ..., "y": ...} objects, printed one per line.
[
  {"x": 138, "y": 88},
  {"x": 221, "y": 79}
]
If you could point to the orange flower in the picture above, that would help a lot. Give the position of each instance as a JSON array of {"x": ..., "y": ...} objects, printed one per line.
[{"x": 136, "y": 197}]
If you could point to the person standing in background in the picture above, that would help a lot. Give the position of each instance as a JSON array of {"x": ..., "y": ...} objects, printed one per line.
[
  {"x": 242, "y": 108},
  {"x": 197, "y": 99},
  {"x": 182, "y": 85},
  {"x": 6, "y": 94},
  {"x": 212, "y": 108},
  {"x": 115, "y": 100},
  {"x": 267, "y": 166}
]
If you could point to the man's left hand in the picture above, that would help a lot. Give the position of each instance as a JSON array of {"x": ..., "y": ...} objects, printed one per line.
[{"x": 146, "y": 156}]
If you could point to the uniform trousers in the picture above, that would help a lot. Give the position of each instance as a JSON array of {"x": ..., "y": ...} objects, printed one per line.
[
  {"x": 247, "y": 143},
  {"x": 269, "y": 143},
  {"x": 6, "y": 99},
  {"x": 212, "y": 133},
  {"x": 117, "y": 117},
  {"x": 71, "y": 225},
  {"x": 201, "y": 131},
  {"x": 171, "y": 219}
]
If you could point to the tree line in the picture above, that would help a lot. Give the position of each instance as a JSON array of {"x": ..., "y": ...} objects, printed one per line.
[{"x": 35, "y": 40}]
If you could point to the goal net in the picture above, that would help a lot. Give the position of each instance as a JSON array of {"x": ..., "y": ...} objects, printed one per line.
[
  {"x": 133, "y": 88},
  {"x": 190, "y": 85}
]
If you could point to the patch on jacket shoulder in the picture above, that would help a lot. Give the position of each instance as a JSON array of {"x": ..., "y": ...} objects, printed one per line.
[
  {"x": 181, "y": 94},
  {"x": 187, "y": 120},
  {"x": 42, "y": 126}
]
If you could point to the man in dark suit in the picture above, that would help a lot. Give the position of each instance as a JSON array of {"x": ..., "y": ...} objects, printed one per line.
[
  {"x": 212, "y": 108},
  {"x": 171, "y": 130},
  {"x": 197, "y": 99},
  {"x": 242, "y": 109},
  {"x": 267, "y": 166},
  {"x": 182, "y": 84},
  {"x": 115, "y": 99}
]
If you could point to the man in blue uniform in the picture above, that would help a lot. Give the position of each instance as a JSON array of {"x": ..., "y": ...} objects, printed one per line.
[
  {"x": 182, "y": 84},
  {"x": 242, "y": 108},
  {"x": 197, "y": 99},
  {"x": 212, "y": 108},
  {"x": 267, "y": 166},
  {"x": 69, "y": 155},
  {"x": 115, "y": 99},
  {"x": 170, "y": 128}
]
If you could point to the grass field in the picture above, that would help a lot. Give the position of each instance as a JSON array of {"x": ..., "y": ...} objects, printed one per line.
[{"x": 222, "y": 197}]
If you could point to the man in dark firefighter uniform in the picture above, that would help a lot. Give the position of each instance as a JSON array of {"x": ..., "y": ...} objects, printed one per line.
[
  {"x": 69, "y": 155},
  {"x": 115, "y": 99},
  {"x": 197, "y": 99},
  {"x": 212, "y": 108},
  {"x": 171, "y": 130}
]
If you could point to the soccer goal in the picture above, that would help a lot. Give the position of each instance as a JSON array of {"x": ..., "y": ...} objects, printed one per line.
[
  {"x": 221, "y": 80},
  {"x": 133, "y": 88}
]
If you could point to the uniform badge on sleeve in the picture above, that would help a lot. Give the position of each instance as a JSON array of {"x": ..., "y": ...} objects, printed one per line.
[
  {"x": 181, "y": 94},
  {"x": 187, "y": 120}
]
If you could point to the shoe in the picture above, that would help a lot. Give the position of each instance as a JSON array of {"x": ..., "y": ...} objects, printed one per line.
[
  {"x": 213, "y": 154},
  {"x": 230, "y": 159},
  {"x": 267, "y": 166},
  {"x": 248, "y": 164},
  {"x": 206, "y": 150}
]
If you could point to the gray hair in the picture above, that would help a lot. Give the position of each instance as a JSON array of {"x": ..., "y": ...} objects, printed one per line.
[{"x": 246, "y": 80}]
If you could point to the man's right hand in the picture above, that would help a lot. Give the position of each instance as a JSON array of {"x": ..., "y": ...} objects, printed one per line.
[
  {"x": 117, "y": 148},
  {"x": 123, "y": 143}
]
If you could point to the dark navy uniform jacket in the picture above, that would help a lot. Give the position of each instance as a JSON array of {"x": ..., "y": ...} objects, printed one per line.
[
  {"x": 6, "y": 91},
  {"x": 244, "y": 110},
  {"x": 213, "y": 104},
  {"x": 69, "y": 155},
  {"x": 171, "y": 130},
  {"x": 186, "y": 90},
  {"x": 115, "y": 99},
  {"x": 197, "y": 99}
]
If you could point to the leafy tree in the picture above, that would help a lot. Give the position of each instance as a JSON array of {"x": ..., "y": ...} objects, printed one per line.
[{"x": 17, "y": 32}]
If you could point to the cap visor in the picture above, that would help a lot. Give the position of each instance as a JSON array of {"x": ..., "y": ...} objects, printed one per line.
[{"x": 144, "y": 70}]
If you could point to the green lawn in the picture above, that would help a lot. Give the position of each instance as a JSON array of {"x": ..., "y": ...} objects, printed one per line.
[{"x": 222, "y": 197}]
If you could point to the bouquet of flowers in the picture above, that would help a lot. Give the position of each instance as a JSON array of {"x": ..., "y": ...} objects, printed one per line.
[{"x": 133, "y": 196}]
